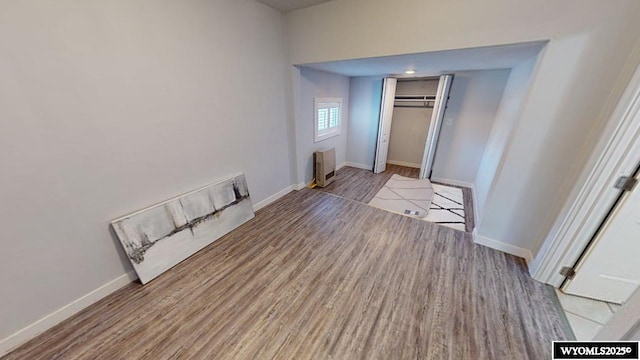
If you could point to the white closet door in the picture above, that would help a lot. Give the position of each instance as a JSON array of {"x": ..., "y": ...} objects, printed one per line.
[
  {"x": 434, "y": 127},
  {"x": 610, "y": 270},
  {"x": 384, "y": 125}
]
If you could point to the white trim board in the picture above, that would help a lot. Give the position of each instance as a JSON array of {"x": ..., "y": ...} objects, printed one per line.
[
  {"x": 274, "y": 197},
  {"x": 502, "y": 246},
  {"x": 22, "y": 336},
  {"x": 452, "y": 182},
  {"x": 358, "y": 166},
  {"x": 403, "y": 163},
  {"x": 476, "y": 210},
  {"x": 302, "y": 185}
]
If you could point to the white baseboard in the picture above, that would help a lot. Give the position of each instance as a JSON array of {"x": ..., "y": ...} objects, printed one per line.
[
  {"x": 501, "y": 246},
  {"x": 359, "y": 166},
  {"x": 453, "y": 182},
  {"x": 21, "y": 336},
  {"x": 403, "y": 163},
  {"x": 301, "y": 186},
  {"x": 476, "y": 214},
  {"x": 274, "y": 197}
]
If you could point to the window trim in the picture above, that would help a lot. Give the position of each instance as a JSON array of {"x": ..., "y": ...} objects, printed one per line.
[{"x": 317, "y": 137}]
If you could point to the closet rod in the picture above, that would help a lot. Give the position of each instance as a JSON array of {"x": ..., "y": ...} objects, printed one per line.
[
  {"x": 415, "y": 106},
  {"x": 415, "y": 100},
  {"x": 415, "y": 96}
]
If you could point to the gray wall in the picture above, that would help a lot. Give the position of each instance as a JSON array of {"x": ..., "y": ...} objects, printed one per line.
[
  {"x": 410, "y": 126},
  {"x": 313, "y": 84},
  {"x": 109, "y": 106},
  {"x": 471, "y": 110},
  {"x": 507, "y": 117}
]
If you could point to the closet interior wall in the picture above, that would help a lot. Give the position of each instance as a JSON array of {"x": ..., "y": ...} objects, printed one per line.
[{"x": 410, "y": 124}]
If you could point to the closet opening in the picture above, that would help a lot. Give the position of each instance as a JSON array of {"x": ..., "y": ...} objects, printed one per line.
[{"x": 411, "y": 115}]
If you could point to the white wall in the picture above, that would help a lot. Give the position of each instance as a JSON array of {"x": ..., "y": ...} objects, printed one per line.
[
  {"x": 506, "y": 119},
  {"x": 365, "y": 96},
  {"x": 469, "y": 117},
  {"x": 410, "y": 126},
  {"x": 582, "y": 72},
  {"x": 310, "y": 85},
  {"x": 109, "y": 106}
]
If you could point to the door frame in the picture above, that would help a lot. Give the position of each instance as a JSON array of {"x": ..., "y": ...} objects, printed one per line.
[
  {"x": 617, "y": 153},
  {"x": 384, "y": 108},
  {"x": 437, "y": 117},
  {"x": 622, "y": 195}
]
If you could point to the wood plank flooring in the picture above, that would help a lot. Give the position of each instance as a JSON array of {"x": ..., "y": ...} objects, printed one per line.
[
  {"x": 362, "y": 185},
  {"x": 316, "y": 276}
]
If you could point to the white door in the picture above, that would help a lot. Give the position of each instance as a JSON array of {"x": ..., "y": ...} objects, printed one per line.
[
  {"x": 434, "y": 126},
  {"x": 610, "y": 269},
  {"x": 384, "y": 126}
]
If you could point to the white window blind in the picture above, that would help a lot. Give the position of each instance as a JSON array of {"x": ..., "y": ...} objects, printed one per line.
[
  {"x": 323, "y": 119},
  {"x": 327, "y": 118},
  {"x": 334, "y": 117}
]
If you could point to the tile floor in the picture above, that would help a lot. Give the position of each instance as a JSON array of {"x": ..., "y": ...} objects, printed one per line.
[{"x": 585, "y": 316}]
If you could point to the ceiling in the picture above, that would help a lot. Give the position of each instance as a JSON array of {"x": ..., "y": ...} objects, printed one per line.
[
  {"x": 290, "y": 5},
  {"x": 436, "y": 62}
]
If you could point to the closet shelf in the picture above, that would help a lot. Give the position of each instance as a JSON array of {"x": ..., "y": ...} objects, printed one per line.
[{"x": 415, "y": 101}]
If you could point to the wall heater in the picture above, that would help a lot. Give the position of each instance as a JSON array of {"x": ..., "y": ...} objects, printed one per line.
[{"x": 325, "y": 166}]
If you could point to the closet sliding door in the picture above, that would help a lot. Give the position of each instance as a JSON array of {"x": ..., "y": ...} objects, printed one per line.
[
  {"x": 437, "y": 117},
  {"x": 384, "y": 125}
]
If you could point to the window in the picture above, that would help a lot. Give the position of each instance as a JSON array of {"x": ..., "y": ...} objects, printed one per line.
[{"x": 327, "y": 118}]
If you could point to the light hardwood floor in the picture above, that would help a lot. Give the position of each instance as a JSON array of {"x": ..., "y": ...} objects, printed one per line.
[
  {"x": 316, "y": 276},
  {"x": 362, "y": 185}
]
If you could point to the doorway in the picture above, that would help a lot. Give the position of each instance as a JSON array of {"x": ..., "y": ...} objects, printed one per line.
[
  {"x": 607, "y": 273},
  {"x": 417, "y": 135},
  {"x": 412, "y": 113},
  {"x": 589, "y": 254},
  {"x": 602, "y": 272}
]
